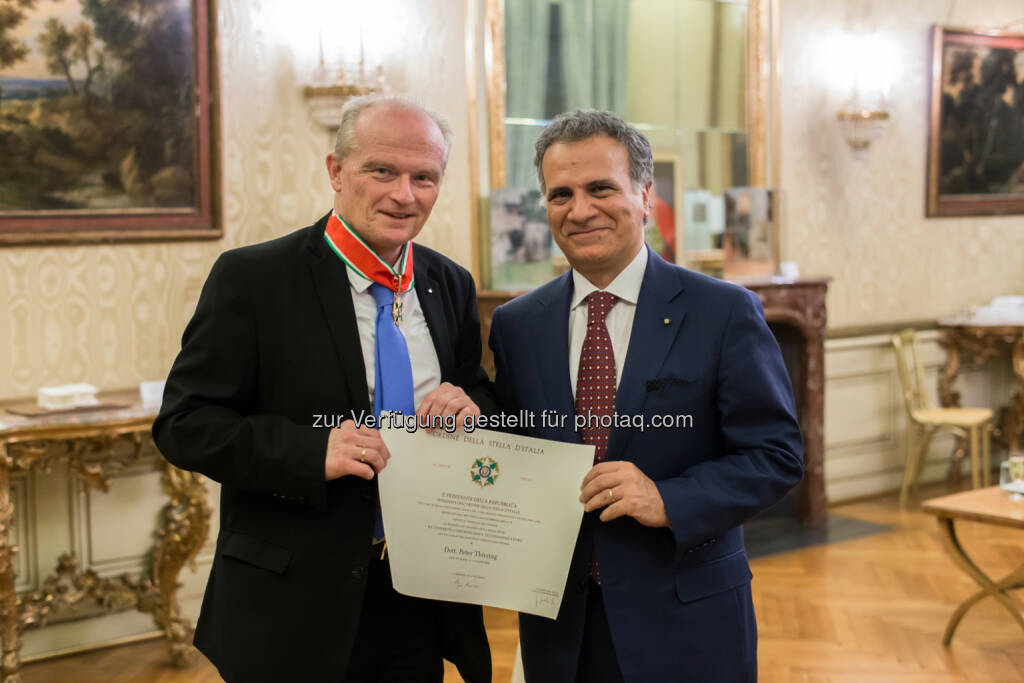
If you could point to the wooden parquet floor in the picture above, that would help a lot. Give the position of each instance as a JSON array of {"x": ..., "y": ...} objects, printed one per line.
[
  {"x": 875, "y": 608},
  {"x": 871, "y": 609}
]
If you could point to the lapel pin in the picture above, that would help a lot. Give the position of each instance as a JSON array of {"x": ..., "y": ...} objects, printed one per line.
[
  {"x": 667, "y": 321},
  {"x": 430, "y": 290}
]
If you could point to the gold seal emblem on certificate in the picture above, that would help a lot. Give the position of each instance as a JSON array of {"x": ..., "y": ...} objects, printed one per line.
[{"x": 484, "y": 471}]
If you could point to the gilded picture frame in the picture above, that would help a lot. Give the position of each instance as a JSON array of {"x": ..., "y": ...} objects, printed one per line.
[
  {"x": 976, "y": 123},
  {"x": 108, "y": 121},
  {"x": 488, "y": 122}
]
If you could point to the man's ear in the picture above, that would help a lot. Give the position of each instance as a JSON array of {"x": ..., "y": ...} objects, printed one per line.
[
  {"x": 646, "y": 193},
  {"x": 334, "y": 171}
]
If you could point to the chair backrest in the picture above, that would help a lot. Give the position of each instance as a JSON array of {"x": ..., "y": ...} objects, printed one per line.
[{"x": 908, "y": 363}]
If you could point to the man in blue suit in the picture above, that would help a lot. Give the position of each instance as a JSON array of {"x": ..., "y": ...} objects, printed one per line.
[{"x": 676, "y": 380}]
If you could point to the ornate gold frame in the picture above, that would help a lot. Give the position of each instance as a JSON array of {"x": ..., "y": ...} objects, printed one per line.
[
  {"x": 203, "y": 220},
  {"x": 762, "y": 96},
  {"x": 937, "y": 205},
  {"x": 494, "y": 65}
]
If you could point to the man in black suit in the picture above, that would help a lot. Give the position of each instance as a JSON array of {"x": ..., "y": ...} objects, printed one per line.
[{"x": 280, "y": 354}]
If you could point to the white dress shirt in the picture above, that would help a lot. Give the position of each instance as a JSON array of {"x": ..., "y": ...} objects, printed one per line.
[
  {"x": 625, "y": 286},
  {"x": 426, "y": 370}
]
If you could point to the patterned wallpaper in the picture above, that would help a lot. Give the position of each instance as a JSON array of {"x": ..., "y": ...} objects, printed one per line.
[
  {"x": 860, "y": 218},
  {"x": 112, "y": 315}
]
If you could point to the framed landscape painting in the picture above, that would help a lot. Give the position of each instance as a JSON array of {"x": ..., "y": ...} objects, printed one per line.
[
  {"x": 976, "y": 124},
  {"x": 107, "y": 120}
]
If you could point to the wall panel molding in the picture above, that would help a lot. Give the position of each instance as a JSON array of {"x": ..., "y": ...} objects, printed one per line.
[
  {"x": 865, "y": 421},
  {"x": 107, "y": 540},
  {"x": 24, "y": 533}
]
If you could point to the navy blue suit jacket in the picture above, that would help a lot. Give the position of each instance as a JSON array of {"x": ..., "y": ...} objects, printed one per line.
[{"x": 678, "y": 599}]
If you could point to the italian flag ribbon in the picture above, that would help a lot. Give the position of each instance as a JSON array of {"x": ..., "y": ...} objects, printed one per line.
[{"x": 358, "y": 256}]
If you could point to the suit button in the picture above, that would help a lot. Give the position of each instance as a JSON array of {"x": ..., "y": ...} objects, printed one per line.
[{"x": 358, "y": 572}]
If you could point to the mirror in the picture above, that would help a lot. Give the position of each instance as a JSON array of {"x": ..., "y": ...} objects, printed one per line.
[{"x": 695, "y": 76}]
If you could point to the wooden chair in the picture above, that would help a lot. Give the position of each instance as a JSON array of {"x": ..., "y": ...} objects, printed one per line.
[{"x": 971, "y": 425}]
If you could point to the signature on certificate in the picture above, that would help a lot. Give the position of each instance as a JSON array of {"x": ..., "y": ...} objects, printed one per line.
[
  {"x": 466, "y": 583},
  {"x": 544, "y": 601}
]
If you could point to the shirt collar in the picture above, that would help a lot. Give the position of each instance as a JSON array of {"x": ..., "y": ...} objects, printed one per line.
[
  {"x": 358, "y": 282},
  {"x": 625, "y": 286}
]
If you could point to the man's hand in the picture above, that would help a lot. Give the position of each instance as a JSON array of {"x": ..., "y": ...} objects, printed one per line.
[
  {"x": 446, "y": 400},
  {"x": 356, "y": 451},
  {"x": 622, "y": 489}
]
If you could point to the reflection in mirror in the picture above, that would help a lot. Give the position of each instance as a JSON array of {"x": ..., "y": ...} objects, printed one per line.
[{"x": 676, "y": 69}]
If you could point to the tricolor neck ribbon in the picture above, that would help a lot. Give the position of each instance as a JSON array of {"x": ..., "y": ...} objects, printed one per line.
[{"x": 358, "y": 256}]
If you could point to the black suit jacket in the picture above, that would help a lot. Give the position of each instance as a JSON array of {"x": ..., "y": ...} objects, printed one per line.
[{"x": 272, "y": 344}]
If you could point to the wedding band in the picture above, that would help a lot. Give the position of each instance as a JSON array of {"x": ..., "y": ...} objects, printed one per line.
[
  {"x": 362, "y": 456},
  {"x": 611, "y": 495}
]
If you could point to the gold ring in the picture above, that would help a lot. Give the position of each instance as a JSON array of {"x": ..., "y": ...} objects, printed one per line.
[
  {"x": 362, "y": 456},
  {"x": 611, "y": 495}
]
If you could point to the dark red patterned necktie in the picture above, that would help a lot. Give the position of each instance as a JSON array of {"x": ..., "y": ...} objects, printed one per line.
[
  {"x": 595, "y": 381},
  {"x": 595, "y": 384}
]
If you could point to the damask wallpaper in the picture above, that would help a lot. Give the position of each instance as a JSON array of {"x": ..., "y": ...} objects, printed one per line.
[
  {"x": 113, "y": 315},
  {"x": 860, "y": 218}
]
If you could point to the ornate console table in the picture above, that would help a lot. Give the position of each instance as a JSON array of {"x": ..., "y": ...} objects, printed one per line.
[
  {"x": 972, "y": 342},
  {"x": 95, "y": 444}
]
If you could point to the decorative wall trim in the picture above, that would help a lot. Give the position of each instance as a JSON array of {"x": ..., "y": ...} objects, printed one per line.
[
  {"x": 859, "y": 467},
  {"x": 24, "y": 532},
  {"x": 87, "y": 528},
  {"x": 880, "y": 432}
]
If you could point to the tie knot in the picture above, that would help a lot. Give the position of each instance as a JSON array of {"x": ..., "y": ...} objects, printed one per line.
[
  {"x": 598, "y": 305},
  {"x": 382, "y": 295}
]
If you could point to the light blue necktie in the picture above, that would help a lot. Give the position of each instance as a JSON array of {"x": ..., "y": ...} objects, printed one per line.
[{"x": 393, "y": 387}]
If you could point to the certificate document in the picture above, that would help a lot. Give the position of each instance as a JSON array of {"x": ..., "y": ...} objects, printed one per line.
[{"x": 484, "y": 517}]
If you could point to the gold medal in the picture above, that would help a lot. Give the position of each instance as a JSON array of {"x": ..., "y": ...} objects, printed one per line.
[{"x": 396, "y": 309}]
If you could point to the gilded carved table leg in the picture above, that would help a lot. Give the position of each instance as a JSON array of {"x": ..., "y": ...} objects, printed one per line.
[
  {"x": 996, "y": 589},
  {"x": 184, "y": 525},
  {"x": 9, "y": 630},
  {"x": 1014, "y": 425},
  {"x": 947, "y": 396}
]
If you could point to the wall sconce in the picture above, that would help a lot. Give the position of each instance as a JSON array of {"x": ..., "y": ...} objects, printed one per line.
[
  {"x": 333, "y": 85},
  {"x": 860, "y": 64},
  {"x": 862, "y": 126}
]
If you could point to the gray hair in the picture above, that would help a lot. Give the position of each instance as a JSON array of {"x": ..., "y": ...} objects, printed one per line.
[
  {"x": 581, "y": 124},
  {"x": 345, "y": 140}
]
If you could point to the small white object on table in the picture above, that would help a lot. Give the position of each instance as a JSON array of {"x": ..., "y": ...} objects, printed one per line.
[{"x": 67, "y": 396}]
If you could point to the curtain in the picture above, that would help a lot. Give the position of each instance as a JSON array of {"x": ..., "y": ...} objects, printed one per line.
[
  {"x": 592, "y": 52},
  {"x": 526, "y": 64},
  {"x": 594, "y": 43}
]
